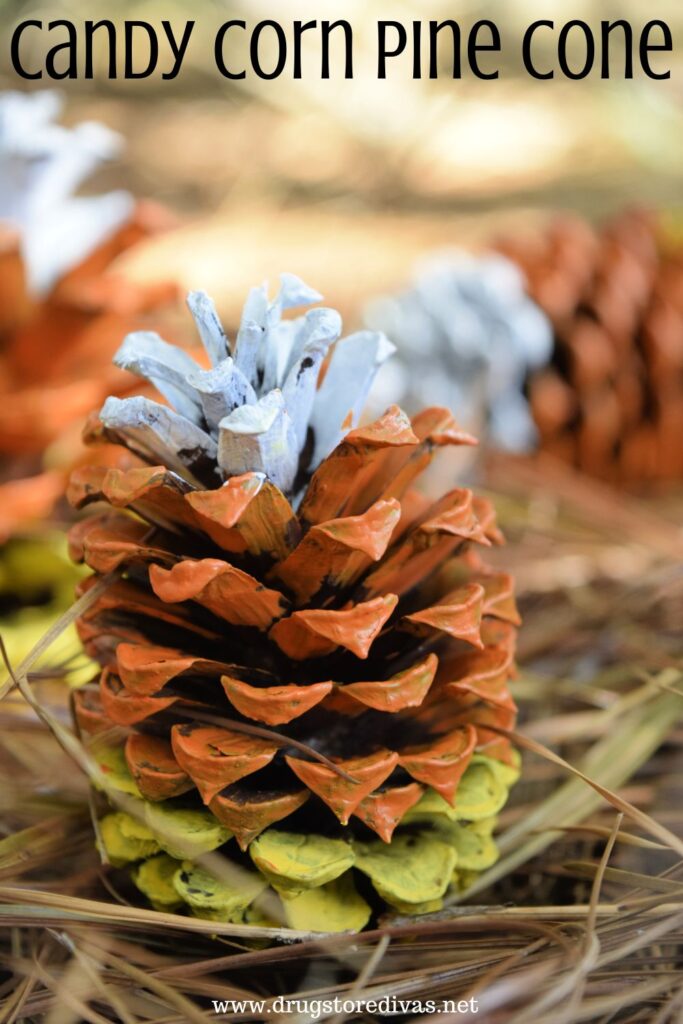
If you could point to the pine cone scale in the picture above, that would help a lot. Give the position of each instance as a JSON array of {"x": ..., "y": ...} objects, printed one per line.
[
  {"x": 154, "y": 767},
  {"x": 247, "y": 815},
  {"x": 274, "y": 705},
  {"x": 214, "y": 757}
]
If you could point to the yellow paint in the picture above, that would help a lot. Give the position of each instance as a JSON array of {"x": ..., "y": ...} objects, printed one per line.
[
  {"x": 335, "y": 907},
  {"x": 125, "y": 839},
  {"x": 292, "y": 863},
  {"x": 182, "y": 833}
]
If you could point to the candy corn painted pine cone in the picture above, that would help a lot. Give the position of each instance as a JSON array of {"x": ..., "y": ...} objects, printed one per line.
[
  {"x": 304, "y": 663},
  {"x": 53, "y": 347}
]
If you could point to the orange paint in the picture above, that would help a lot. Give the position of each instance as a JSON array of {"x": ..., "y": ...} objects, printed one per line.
[
  {"x": 214, "y": 757},
  {"x": 274, "y": 705},
  {"x": 458, "y": 615},
  {"x": 247, "y": 816},
  {"x": 228, "y": 592},
  {"x": 441, "y": 764},
  {"x": 150, "y": 490},
  {"x": 499, "y": 596},
  {"x": 486, "y": 514},
  {"x": 439, "y": 532},
  {"x": 382, "y": 811},
  {"x": 248, "y": 513},
  {"x": 477, "y": 670},
  {"x": 131, "y": 600},
  {"x": 454, "y": 514},
  {"x": 337, "y": 486},
  {"x": 337, "y": 552},
  {"x": 319, "y": 631},
  {"x": 340, "y": 795},
  {"x": 89, "y": 713},
  {"x": 145, "y": 669},
  {"x": 496, "y": 693},
  {"x": 154, "y": 768},
  {"x": 407, "y": 689},
  {"x": 219, "y": 511},
  {"x": 110, "y": 542},
  {"x": 126, "y": 708}
]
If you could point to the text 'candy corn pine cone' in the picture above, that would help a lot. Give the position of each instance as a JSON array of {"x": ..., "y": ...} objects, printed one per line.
[
  {"x": 304, "y": 664},
  {"x": 611, "y": 403}
]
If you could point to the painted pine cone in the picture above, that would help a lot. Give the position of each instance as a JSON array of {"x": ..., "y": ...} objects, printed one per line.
[
  {"x": 611, "y": 403},
  {"x": 467, "y": 335},
  {"x": 62, "y": 308},
  {"x": 296, "y": 647},
  {"x": 52, "y": 351},
  {"x": 52, "y": 347}
]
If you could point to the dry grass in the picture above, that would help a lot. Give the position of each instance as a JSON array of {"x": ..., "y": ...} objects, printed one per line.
[{"x": 580, "y": 920}]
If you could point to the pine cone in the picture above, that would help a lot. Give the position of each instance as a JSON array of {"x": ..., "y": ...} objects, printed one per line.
[
  {"x": 611, "y": 403},
  {"x": 42, "y": 166},
  {"x": 52, "y": 348},
  {"x": 62, "y": 308},
  {"x": 468, "y": 335},
  {"x": 53, "y": 354},
  {"x": 62, "y": 314},
  {"x": 297, "y": 651}
]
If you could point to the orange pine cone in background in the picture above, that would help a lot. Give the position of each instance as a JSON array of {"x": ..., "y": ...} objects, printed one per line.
[
  {"x": 299, "y": 653},
  {"x": 55, "y": 363},
  {"x": 611, "y": 402},
  {"x": 55, "y": 351}
]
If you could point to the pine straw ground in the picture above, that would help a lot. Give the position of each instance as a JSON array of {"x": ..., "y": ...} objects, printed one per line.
[{"x": 580, "y": 920}]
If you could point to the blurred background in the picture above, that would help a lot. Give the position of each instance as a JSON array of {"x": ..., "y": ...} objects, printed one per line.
[
  {"x": 349, "y": 182},
  {"x": 352, "y": 185}
]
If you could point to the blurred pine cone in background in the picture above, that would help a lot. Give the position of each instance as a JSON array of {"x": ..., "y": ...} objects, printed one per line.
[
  {"x": 63, "y": 310},
  {"x": 55, "y": 350},
  {"x": 467, "y": 336},
  {"x": 611, "y": 402},
  {"x": 301, "y": 658}
]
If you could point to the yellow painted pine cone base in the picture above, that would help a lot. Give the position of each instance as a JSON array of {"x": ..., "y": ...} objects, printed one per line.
[{"x": 321, "y": 882}]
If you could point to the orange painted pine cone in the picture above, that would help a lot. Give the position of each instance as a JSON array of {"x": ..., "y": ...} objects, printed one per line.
[
  {"x": 293, "y": 635},
  {"x": 54, "y": 361},
  {"x": 611, "y": 403}
]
